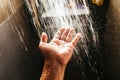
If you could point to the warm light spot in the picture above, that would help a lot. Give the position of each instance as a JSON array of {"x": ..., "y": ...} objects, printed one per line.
[{"x": 98, "y": 2}]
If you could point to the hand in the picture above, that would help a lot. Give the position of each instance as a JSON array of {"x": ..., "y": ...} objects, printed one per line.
[{"x": 61, "y": 47}]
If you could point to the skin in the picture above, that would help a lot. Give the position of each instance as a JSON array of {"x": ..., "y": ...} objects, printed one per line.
[{"x": 57, "y": 53}]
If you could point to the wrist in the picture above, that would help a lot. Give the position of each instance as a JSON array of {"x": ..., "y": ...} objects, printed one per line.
[
  {"x": 53, "y": 70},
  {"x": 54, "y": 63},
  {"x": 54, "y": 66}
]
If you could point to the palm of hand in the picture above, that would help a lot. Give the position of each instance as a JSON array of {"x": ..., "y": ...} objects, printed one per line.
[{"x": 61, "y": 47}]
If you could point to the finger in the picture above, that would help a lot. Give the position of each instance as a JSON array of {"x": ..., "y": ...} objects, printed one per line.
[
  {"x": 65, "y": 33},
  {"x": 75, "y": 39},
  {"x": 59, "y": 33},
  {"x": 70, "y": 35},
  {"x": 44, "y": 37}
]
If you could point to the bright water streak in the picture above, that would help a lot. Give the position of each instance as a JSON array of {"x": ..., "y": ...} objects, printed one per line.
[
  {"x": 54, "y": 14},
  {"x": 50, "y": 15}
]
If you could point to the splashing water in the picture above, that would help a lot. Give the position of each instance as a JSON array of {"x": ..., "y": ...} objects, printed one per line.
[{"x": 50, "y": 15}]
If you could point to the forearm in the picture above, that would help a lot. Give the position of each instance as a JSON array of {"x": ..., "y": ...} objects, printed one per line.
[{"x": 52, "y": 71}]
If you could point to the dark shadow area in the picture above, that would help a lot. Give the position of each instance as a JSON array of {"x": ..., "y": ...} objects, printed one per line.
[{"x": 20, "y": 58}]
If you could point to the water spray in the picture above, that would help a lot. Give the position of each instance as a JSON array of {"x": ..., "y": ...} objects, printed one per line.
[{"x": 53, "y": 14}]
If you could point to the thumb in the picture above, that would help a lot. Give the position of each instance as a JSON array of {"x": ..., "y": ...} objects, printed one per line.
[{"x": 44, "y": 37}]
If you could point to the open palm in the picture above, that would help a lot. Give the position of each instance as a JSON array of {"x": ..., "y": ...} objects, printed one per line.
[{"x": 61, "y": 46}]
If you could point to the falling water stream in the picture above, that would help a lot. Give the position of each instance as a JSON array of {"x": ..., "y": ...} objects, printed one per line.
[{"x": 50, "y": 15}]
